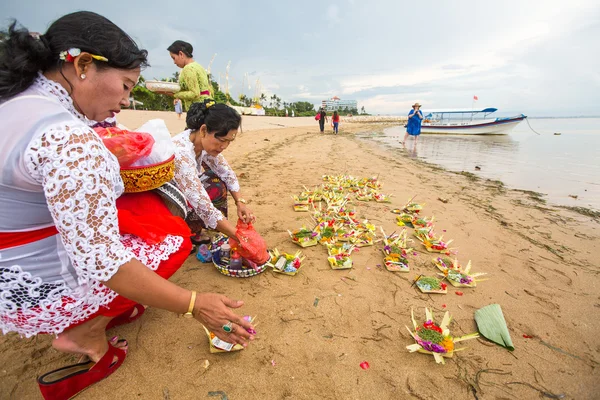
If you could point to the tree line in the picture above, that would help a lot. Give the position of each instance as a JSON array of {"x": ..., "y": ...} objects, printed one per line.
[{"x": 273, "y": 105}]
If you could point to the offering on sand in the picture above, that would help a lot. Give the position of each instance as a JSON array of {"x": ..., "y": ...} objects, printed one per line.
[
  {"x": 395, "y": 252},
  {"x": 339, "y": 255},
  {"x": 431, "y": 243},
  {"x": 435, "y": 339},
  {"x": 404, "y": 219},
  {"x": 284, "y": 263},
  {"x": 430, "y": 284},
  {"x": 422, "y": 222},
  {"x": 220, "y": 346},
  {"x": 456, "y": 274},
  {"x": 412, "y": 207},
  {"x": 301, "y": 202},
  {"x": 304, "y": 237}
]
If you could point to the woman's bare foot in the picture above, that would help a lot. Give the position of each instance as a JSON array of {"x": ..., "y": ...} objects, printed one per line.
[{"x": 88, "y": 339}]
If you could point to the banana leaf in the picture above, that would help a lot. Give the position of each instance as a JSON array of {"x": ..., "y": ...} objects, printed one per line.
[{"x": 492, "y": 325}]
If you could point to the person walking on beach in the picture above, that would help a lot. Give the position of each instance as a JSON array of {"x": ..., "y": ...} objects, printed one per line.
[
  {"x": 193, "y": 78},
  {"x": 413, "y": 128},
  {"x": 336, "y": 122},
  {"x": 322, "y": 119},
  {"x": 65, "y": 268},
  {"x": 178, "y": 107}
]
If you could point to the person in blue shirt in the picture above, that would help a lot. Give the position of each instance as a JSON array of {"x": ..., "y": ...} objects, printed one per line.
[{"x": 413, "y": 128}]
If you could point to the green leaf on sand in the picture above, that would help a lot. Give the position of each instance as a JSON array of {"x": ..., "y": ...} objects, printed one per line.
[{"x": 491, "y": 325}]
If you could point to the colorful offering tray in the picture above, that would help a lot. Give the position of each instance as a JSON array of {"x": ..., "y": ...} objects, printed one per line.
[
  {"x": 404, "y": 219},
  {"x": 456, "y": 274},
  {"x": 435, "y": 339},
  {"x": 222, "y": 263},
  {"x": 301, "y": 202},
  {"x": 304, "y": 237},
  {"x": 339, "y": 255},
  {"x": 395, "y": 252},
  {"x": 422, "y": 222},
  {"x": 284, "y": 263},
  {"x": 220, "y": 346},
  {"x": 381, "y": 198},
  {"x": 431, "y": 243},
  {"x": 412, "y": 207},
  {"x": 431, "y": 284}
]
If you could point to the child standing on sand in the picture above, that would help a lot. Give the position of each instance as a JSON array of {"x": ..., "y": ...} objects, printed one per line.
[
  {"x": 178, "y": 108},
  {"x": 336, "y": 122}
]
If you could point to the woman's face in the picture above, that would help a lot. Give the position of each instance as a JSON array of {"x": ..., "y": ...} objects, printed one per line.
[
  {"x": 178, "y": 59},
  {"x": 104, "y": 91},
  {"x": 215, "y": 145}
]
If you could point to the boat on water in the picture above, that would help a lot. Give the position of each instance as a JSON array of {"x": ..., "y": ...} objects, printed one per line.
[{"x": 468, "y": 122}]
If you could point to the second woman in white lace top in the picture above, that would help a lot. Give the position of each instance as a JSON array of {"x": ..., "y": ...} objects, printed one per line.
[{"x": 211, "y": 128}]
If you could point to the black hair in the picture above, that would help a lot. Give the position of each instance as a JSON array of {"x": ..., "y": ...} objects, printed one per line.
[
  {"x": 180, "y": 45},
  {"x": 23, "y": 54},
  {"x": 218, "y": 118},
  {"x": 335, "y": 114}
]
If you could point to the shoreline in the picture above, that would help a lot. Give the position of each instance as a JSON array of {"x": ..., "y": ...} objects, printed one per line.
[
  {"x": 541, "y": 197},
  {"x": 542, "y": 269}
]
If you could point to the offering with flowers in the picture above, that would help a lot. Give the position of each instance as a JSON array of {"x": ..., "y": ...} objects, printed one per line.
[
  {"x": 412, "y": 207},
  {"x": 339, "y": 255},
  {"x": 404, "y": 219},
  {"x": 431, "y": 243},
  {"x": 435, "y": 339},
  {"x": 284, "y": 263},
  {"x": 304, "y": 237},
  {"x": 456, "y": 274},
  {"x": 395, "y": 252},
  {"x": 422, "y": 222},
  {"x": 430, "y": 284}
]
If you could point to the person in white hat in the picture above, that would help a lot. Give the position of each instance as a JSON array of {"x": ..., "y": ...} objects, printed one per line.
[{"x": 413, "y": 128}]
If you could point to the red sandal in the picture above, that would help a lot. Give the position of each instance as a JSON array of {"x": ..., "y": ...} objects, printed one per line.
[
  {"x": 126, "y": 318},
  {"x": 67, "y": 382}
]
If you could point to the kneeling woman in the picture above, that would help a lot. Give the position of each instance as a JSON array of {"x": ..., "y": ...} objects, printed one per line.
[{"x": 211, "y": 128}]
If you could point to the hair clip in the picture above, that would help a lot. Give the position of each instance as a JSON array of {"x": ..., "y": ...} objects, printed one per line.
[
  {"x": 69, "y": 55},
  {"x": 210, "y": 104}
]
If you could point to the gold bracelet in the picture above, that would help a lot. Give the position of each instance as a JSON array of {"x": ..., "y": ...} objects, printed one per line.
[
  {"x": 189, "y": 313},
  {"x": 240, "y": 201}
]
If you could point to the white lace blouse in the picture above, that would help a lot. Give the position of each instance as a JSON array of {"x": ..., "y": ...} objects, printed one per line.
[
  {"x": 55, "y": 171},
  {"x": 188, "y": 167}
]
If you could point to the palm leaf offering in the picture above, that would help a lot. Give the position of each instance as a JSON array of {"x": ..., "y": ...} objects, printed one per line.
[
  {"x": 432, "y": 243},
  {"x": 492, "y": 325},
  {"x": 433, "y": 338},
  {"x": 431, "y": 284},
  {"x": 395, "y": 252},
  {"x": 339, "y": 255},
  {"x": 304, "y": 237},
  {"x": 457, "y": 275},
  {"x": 284, "y": 263}
]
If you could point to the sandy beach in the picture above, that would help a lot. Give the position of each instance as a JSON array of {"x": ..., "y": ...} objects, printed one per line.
[{"x": 539, "y": 260}]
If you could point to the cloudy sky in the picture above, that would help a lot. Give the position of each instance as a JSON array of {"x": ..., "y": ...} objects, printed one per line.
[{"x": 521, "y": 56}]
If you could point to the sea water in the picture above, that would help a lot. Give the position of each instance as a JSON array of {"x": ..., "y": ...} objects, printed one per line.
[{"x": 562, "y": 161}]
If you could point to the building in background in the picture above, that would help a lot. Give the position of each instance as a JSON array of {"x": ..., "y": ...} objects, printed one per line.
[{"x": 337, "y": 104}]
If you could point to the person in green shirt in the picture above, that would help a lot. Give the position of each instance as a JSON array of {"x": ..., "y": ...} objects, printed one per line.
[{"x": 193, "y": 78}]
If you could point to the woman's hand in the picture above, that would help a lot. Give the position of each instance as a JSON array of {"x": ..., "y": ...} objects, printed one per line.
[
  {"x": 214, "y": 311},
  {"x": 245, "y": 214}
]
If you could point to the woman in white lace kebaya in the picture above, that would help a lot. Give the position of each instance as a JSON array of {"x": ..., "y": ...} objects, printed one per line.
[
  {"x": 63, "y": 264},
  {"x": 210, "y": 129}
]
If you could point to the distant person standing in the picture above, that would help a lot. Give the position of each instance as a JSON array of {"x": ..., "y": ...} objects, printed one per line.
[
  {"x": 193, "y": 78},
  {"x": 413, "y": 128},
  {"x": 178, "y": 107},
  {"x": 336, "y": 122},
  {"x": 322, "y": 119}
]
